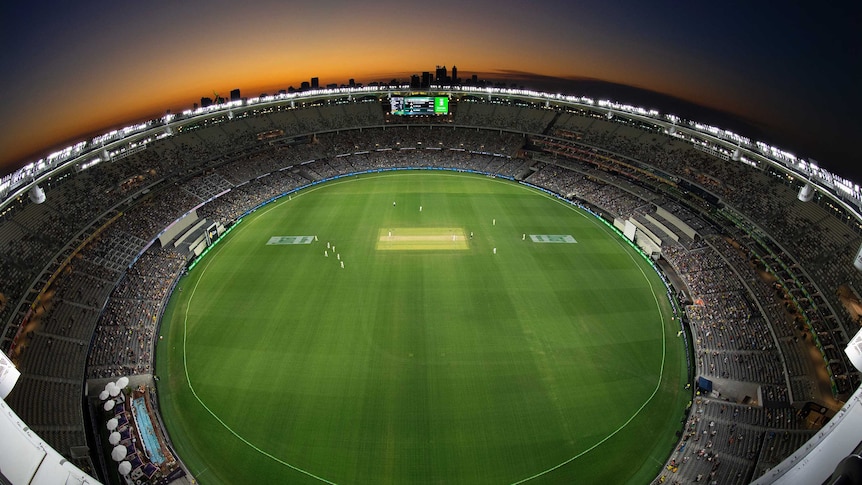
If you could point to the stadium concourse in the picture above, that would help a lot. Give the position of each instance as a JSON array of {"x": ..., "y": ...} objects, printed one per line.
[{"x": 766, "y": 282}]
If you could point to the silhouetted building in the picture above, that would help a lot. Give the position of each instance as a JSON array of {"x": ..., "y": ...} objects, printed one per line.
[
  {"x": 414, "y": 81},
  {"x": 315, "y": 83},
  {"x": 455, "y": 75},
  {"x": 441, "y": 75},
  {"x": 304, "y": 85},
  {"x": 234, "y": 95},
  {"x": 426, "y": 79},
  {"x": 205, "y": 102}
]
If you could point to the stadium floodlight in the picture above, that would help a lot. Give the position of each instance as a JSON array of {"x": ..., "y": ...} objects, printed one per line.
[
  {"x": 750, "y": 163},
  {"x": 91, "y": 163}
]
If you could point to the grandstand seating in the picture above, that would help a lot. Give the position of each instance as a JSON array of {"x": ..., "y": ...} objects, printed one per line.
[{"x": 89, "y": 252}]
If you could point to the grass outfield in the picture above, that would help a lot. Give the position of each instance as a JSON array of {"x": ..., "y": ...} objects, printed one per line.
[{"x": 542, "y": 363}]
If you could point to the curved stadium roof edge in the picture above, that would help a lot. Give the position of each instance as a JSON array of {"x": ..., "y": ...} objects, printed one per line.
[{"x": 719, "y": 142}]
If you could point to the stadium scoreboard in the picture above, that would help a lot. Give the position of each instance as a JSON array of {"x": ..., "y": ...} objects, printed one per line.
[{"x": 419, "y": 105}]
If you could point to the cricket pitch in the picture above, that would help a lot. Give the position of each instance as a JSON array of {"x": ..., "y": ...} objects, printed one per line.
[{"x": 422, "y": 239}]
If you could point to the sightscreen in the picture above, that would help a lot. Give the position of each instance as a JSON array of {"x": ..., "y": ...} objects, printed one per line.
[{"x": 419, "y": 105}]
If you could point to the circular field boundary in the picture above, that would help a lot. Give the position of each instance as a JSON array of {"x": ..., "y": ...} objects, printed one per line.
[{"x": 542, "y": 193}]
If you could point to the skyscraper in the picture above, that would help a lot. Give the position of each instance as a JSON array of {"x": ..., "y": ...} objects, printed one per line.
[{"x": 441, "y": 75}]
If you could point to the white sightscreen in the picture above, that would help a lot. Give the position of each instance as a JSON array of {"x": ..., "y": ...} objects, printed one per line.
[{"x": 630, "y": 230}]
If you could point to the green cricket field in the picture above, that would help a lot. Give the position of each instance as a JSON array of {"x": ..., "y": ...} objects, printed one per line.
[{"x": 421, "y": 327}]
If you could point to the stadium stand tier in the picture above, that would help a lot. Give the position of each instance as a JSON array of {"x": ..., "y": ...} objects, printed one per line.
[{"x": 766, "y": 282}]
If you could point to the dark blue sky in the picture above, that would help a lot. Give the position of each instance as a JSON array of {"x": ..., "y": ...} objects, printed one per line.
[{"x": 793, "y": 70}]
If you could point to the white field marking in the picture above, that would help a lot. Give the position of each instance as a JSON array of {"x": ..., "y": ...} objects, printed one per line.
[
  {"x": 185, "y": 337},
  {"x": 551, "y": 238},
  {"x": 540, "y": 193},
  {"x": 661, "y": 368},
  {"x": 593, "y": 220},
  {"x": 214, "y": 415}
]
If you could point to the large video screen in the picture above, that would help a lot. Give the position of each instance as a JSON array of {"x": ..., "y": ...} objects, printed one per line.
[{"x": 419, "y": 105}]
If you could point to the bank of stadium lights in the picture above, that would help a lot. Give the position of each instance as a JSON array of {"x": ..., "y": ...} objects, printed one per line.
[
  {"x": 839, "y": 183},
  {"x": 54, "y": 161},
  {"x": 212, "y": 108},
  {"x": 749, "y": 162},
  {"x": 721, "y": 133},
  {"x": 102, "y": 139},
  {"x": 90, "y": 164},
  {"x": 318, "y": 92},
  {"x": 604, "y": 103},
  {"x": 812, "y": 171},
  {"x": 66, "y": 152},
  {"x": 115, "y": 135},
  {"x": 776, "y": 153}
]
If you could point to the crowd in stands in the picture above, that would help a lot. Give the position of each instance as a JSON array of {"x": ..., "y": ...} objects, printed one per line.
[
  {"x": 505, "y": 115},
  {"x": 730, "y": 443},
  {"x": 125, "y": 335},
  {"x": 100, "y": 311}
]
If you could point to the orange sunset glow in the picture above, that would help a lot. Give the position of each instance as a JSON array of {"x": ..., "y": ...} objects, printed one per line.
[{"x": 78, "y": 72}]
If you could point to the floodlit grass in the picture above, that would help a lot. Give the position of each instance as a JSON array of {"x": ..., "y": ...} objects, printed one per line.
[
  {"x": 556, "y": 363},
  {"x": 421, "y": 238}
]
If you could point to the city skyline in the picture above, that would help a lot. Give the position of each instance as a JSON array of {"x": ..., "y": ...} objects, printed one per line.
[{"x": 81, "y": 70}]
